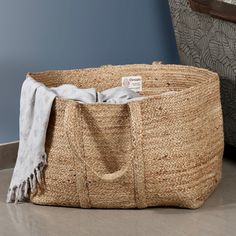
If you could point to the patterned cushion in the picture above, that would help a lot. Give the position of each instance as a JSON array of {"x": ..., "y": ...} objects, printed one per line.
[{"x": 208, "y": 42}]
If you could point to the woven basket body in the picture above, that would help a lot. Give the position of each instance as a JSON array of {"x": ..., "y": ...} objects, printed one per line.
[{"x": 165, "y": 150}]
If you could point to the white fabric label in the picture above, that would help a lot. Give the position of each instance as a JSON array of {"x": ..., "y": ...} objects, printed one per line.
[{"x": 132, "y": 82}]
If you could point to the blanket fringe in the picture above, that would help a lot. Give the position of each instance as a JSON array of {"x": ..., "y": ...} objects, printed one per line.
[{"x": 21, "y": 192}]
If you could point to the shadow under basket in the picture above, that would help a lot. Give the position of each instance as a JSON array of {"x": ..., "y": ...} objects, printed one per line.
[{"x": 164, "y": 150}]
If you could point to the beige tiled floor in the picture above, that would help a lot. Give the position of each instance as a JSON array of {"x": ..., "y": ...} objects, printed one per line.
[{"x": 217, "y": 217}]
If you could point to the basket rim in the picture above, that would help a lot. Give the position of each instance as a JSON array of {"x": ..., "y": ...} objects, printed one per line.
[
  {"x": 125, "y": 66},
  {"x": 213, "y": 78}
]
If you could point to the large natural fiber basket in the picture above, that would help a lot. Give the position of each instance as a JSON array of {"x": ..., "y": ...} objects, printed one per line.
[{"x": 165, "y": 150}]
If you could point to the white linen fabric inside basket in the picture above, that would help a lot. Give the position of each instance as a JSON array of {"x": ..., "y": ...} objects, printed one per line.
[{"x": 35, "y": 108}]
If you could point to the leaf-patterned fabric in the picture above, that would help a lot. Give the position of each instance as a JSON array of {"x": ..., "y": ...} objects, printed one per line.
[{"x": 208, "y": 42}]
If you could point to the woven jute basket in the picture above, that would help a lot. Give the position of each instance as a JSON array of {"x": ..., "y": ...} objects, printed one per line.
[{"x": 165, "y": 150}]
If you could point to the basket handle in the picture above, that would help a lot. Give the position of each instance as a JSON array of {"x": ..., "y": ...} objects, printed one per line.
[
  {"x": 156, "y": 63},
  {"x": 72, "y": 121}
]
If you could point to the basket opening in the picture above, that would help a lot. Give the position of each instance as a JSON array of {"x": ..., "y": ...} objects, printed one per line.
[{"x": 156, "y": 79}]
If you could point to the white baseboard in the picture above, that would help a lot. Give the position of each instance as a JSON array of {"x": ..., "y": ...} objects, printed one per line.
[{"x": 8, "y": 154}]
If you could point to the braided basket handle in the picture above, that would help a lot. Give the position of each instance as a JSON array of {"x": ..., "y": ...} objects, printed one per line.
[
  {"x": 156, "y": 63},
  {"x": 72, "y": 121}
]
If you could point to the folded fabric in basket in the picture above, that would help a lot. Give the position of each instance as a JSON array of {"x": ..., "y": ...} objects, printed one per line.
[{"x": 35, "y": 107}]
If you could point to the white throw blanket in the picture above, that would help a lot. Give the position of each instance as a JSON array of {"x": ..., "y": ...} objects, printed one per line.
[{"x": 35, "y": 107}]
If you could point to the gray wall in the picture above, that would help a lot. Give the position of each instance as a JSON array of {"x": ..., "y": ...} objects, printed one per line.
[{"x": 58, "y": 34}]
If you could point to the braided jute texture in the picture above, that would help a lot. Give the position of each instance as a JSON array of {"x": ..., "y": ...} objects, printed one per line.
[{"x": 165, "y": 150}]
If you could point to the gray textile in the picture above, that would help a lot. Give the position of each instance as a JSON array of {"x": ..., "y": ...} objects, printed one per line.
[{"x": 35, "y": 107}]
